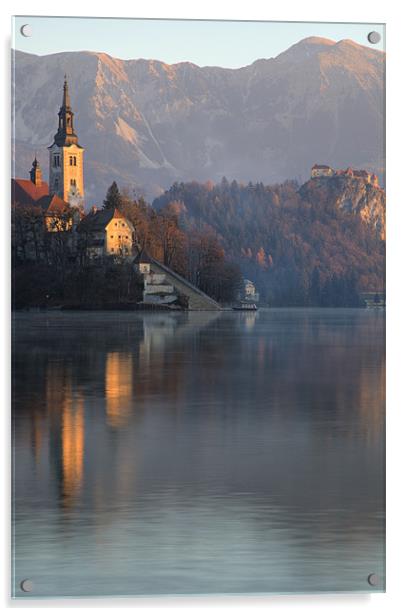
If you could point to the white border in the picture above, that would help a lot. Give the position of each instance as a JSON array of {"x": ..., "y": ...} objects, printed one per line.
[{"x": 305, "y": 10}]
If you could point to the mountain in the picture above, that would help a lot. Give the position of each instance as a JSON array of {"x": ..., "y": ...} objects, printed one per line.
[{"x": 145, "y": 123}]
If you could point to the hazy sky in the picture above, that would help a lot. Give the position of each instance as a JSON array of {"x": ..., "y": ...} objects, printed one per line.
[{"x": 222, "y": 43}]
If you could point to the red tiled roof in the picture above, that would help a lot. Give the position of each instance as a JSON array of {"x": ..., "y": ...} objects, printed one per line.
[
  {"x": 26, "y": 192},
  {"x": 53, "y": 204}
]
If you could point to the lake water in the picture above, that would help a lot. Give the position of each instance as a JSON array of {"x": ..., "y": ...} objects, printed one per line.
[{"x": 198, "y": 453}]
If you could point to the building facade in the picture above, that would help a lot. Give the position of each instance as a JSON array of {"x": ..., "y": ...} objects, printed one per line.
[
  {"x": 66, "y": 158},
  {"x": 321, "y": 171},
  {"x": 250, "y": 292},
  {"x": 106, "y": 232},
  {"x": 318, "y": 171}
]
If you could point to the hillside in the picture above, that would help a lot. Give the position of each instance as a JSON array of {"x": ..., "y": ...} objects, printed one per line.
[
  {"x": 318, "y": 244},
  {"x": 147, "y": 124}
]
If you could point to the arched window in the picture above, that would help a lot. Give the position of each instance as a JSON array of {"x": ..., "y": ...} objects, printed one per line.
[
  {"x": 71, "y": 161},
  {"x": 73, "y": 182},
  {"x": 75, "y": 161}
]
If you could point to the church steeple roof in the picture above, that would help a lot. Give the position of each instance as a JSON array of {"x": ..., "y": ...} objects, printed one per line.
[
  {"x": 65, "y": 134},
  {"x": 66, "y": 96}
]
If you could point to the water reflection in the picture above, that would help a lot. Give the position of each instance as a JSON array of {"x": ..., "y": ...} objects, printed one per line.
[
  {"x": 118, "y": 388},
  {"x": 199, "y": 452},
  {"x": 72, "y": 447}
]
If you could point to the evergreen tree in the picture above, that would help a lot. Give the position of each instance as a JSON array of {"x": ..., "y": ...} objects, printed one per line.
[{"x": 113, "y": 198}]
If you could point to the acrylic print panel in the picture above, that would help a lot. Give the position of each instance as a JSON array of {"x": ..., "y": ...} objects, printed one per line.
[{"x": 198, "y": 307}]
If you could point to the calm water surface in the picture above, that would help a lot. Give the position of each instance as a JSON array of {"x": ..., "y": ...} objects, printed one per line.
[{"x": 198, "y": 453}]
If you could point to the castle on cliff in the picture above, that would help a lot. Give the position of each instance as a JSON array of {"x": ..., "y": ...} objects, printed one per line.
[{"x": 320, "y": 171}]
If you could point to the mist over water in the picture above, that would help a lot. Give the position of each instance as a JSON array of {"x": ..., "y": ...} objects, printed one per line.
[{"x": 199, "y": 452}]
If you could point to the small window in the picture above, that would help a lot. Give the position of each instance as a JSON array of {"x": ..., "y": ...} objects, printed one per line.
[
  {"x": 122, "y": 224},
  {"x": 75, "y": 161},
  {"x": 115, "y": 224},
  {"x": 119, "y": 237},
  {"x": 111, "y": 237},
  {"x": 112, "y": 249},
  {"x": 71, "y": 161},
  {"x": 126, "y": 236}
]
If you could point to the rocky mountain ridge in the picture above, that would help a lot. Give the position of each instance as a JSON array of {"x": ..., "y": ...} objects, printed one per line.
[{"x": 145, "y": 123}]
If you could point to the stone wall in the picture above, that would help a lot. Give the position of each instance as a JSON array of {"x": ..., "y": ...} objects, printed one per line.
[{"x": 197, "y": 300}]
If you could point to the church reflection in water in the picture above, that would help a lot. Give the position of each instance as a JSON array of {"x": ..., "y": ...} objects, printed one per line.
[
  {"x": 72, "y": 446},
  {"x": 111, "y": 399},
  {"x": 118, "y": 388},
  {"x": 145, "y": 441}
]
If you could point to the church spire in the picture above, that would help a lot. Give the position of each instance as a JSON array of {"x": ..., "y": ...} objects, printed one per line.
[
  {"x": 66, "y": 96},
  {"x": 66, "y": 157},
  {"x": 36, "y": 173},
  {"x": 65, "y": 134}
]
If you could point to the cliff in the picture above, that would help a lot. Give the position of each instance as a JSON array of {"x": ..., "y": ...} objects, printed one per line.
[{"x": 349, "y": 194}]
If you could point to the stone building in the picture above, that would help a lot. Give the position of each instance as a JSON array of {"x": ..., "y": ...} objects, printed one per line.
[
  {"x": 106, "y": 233},
  {"x": 66, "y": 157},
  {"x": 326, "y": 171},
  {"x": 250, "y": 293},
  {"x": 321, "y": 171},
  {"x": 65, "y": 189}
]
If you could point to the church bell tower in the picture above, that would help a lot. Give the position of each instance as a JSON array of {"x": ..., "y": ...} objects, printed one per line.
[
  {"x": 36, "y": 173},
  {"x": 66, "y": 157}
]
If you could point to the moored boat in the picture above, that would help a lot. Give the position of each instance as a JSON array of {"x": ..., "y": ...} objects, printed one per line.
[{"x": 245, "y": 306}]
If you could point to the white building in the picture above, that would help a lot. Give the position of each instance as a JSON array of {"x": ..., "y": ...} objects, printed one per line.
[
  {"x": 321, "y": 171},
  {"x": 249, "y": 291}
]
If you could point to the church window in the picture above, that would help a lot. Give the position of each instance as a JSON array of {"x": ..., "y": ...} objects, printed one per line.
[
  {"x": 75, "y": 161},
  {"x": 71, "y": 161},
  {"x": 73, "y": 182}
]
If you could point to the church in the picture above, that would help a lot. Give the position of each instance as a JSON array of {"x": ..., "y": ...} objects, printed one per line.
[
  {"x": 66, "y": 171},
  {"x": 66, "y": 158},
  {"x": 51, "y": 216},
  {"x": 60, "y": 202}
]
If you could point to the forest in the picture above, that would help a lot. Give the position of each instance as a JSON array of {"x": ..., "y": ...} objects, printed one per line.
[{"x": 298, "y": 251}]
